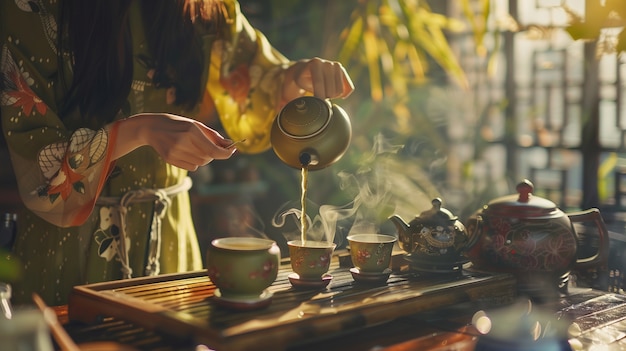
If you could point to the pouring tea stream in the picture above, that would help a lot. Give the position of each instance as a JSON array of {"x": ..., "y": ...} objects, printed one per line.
[{"x": 310, "y": 134}]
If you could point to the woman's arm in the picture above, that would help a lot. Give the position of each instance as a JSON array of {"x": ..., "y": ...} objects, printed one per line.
[
  {"x": 61, "y": 169},
  {"x": 61, "y": 173},
  {"x": 180, "y": 141},
  {"x": 250, "y": 81}
]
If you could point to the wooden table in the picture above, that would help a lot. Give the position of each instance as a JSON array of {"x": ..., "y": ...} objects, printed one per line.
[{"x": 410, "y": 312}]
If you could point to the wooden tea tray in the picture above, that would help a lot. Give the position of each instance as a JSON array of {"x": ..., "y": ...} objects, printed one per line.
[{"x": 182, "y": 305}]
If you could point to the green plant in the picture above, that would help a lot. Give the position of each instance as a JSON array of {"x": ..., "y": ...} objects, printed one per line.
[
  {"x": 395, "y": 41},
  {"x": 604, "y": 22},
  {"x": 10, "y": 269},
  {"x": 400, "y": 58}
]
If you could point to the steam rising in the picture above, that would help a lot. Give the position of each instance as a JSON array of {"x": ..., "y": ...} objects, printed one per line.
[{"x": 385, "y": 183}]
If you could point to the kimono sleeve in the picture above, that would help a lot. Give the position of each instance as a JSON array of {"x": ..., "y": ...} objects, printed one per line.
[
  {"x": 59, "y": 172},
  {"x": 245, "y": 78}
]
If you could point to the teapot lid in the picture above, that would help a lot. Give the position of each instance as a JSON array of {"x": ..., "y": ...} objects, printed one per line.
[
  {"x": 522, "y": 205},
  {"x": 304, "y": 117},
  {"x": 438, "y": 212}
]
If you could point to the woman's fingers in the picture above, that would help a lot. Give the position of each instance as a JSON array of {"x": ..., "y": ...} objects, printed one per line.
[
  {"x": 325, "y": 79},
  {"x": 345, "y": 82},
  {"x": 330, "y": 79},
  {"x": 319, "y": 75},
  {"x": 220, "y": 147},
  {"x": 184, "y": 142}
]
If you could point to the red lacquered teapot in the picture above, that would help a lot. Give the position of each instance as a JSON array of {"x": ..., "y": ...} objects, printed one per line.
[{"x": 530, "y": 237}]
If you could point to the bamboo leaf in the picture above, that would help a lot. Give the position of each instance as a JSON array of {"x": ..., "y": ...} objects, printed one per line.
[
  {"x": 371, "y": 55},
  {"x": 582, "y": 31},
  {"x": 431, "y": 39},
  {"x": 352, "y": 40},
  {"x": 482, "y": 28},
  {"x": 443, "y": 54},
  {"x": 477, "y": 30},
  {"x": 588, "y": 28},
  {"x": 416, "y": 63},
  {"x": 434, "y": 42},
  {"x": 492, "y": 61}
]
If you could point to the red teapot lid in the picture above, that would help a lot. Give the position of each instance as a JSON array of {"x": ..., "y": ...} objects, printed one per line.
[{"x": 523, "y": 204}]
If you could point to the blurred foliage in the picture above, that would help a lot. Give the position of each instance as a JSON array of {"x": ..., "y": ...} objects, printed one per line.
[
  {"x": 399, "y": 56},
  {"x": 10, "y": 268},
  {"x": 389, "y": 47},
  {"x": 394, "y": 40},
  {"x": 604, "y": 22},
  {"x": 395, "y": 51}
]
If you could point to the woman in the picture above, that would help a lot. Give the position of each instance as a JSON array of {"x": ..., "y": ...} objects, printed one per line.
[{"x": 104, "y": 106}]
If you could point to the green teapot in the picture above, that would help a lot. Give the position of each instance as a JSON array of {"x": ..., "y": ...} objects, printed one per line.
[{"x": 310, "y": 132}]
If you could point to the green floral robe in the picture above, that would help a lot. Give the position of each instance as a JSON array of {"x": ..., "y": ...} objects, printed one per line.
[{"x": 63, "y": 166}]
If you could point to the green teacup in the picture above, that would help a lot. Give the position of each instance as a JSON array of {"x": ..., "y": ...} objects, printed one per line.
[
  {"x": 371, "y": 253},
  {"x": 310, "y": 259},
  {"x": 242, "y": 267}
]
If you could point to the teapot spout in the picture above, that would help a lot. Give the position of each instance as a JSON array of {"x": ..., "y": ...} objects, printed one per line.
[{"x": 401, "y": 226}]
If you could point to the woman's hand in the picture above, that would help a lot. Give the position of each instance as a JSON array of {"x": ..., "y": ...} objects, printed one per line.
[
  {"x": 180, "y": 141},
  {"x": 324, "y": 79}
]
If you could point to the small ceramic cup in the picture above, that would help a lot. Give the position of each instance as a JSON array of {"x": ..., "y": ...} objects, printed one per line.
[
  {"x": 242, "y": 267},
  {"x": 371, "y": 253},
  {"x": 310, "y": 259}
]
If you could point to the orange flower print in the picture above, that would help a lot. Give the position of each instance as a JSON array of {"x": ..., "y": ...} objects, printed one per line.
[
  {"x": 16, "y": 91},
  {"x": 237, "y": 84},
  {"x": 65, "y": 164},
  {"x": 67, "y": 180}
]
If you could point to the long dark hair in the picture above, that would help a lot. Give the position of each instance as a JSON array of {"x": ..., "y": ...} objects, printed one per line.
[{"x": 96, "y": 35}]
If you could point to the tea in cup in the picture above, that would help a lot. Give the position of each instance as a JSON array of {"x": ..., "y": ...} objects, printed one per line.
[
  {"x": 310, "y": 260},
  {"x": 242, "y": 269},
  {"x": 371, "y": 253}
]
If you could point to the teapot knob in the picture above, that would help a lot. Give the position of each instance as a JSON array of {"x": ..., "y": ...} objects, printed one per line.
[
  {"x": 525, "y": 188},
  {"x": 301, "y": 106},
  {"x": 436, "y": 204}
]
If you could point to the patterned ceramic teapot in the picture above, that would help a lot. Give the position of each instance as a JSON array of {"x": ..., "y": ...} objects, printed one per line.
[
  {"x": 434, "y": 240},
  {"x": 530, "y": 237}
]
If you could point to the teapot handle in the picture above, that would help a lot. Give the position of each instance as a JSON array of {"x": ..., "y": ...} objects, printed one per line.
[
  {"x": 474, "y": 227},
  {"x": 600, "y": 259}
]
